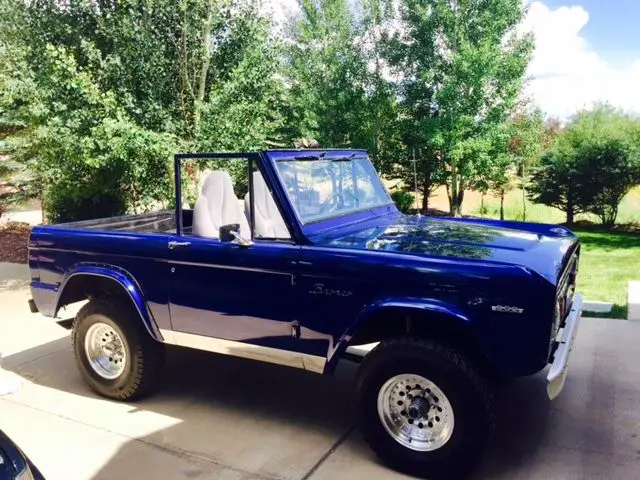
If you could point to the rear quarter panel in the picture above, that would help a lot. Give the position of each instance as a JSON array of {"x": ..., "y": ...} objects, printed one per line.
[{"x": 55, "y": 253}]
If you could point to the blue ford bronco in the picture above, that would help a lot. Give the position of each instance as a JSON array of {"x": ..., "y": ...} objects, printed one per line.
[{"x": 300, "y": 258}]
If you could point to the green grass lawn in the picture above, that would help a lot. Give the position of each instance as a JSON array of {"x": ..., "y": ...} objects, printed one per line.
[{"x": 607, "y": 262}]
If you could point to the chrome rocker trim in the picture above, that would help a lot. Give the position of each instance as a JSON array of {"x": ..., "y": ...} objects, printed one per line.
[
  {"x": 288, "y": 358},
  {"x": 558, "y": 371},
  {"x": 361, "y": 350}
]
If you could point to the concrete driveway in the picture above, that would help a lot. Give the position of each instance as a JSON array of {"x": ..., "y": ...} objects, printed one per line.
[{"x": 224, "y": 418}]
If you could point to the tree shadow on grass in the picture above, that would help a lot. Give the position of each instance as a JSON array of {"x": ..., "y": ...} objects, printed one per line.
[{"x": 607, "y": 240}]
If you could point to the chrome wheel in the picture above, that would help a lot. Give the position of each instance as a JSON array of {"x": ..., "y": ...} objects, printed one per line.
[
  {"x": 105, "y": 351},
  {"x": 415, "y": 412}
]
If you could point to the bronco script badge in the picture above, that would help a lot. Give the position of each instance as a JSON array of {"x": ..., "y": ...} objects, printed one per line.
[{"x": 320, "y": 289}]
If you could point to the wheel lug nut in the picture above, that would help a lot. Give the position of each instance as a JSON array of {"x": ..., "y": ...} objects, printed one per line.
[
  {"x": 410, "y": 421},
  {"x": 403, "y": 413},
  {"x": 400, "y": 402},
  {"x": 437, "y": 419},
  {"x": 430, "y": 424},
  {"x": 420, "y": 425},
  {"x": 402, "y": 394}
]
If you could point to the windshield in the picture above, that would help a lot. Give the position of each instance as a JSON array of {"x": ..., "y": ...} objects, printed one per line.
[{"x": 321, "y": 188}]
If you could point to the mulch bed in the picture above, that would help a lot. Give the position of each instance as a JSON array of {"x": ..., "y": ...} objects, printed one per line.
[{"x": 13, "y": 242}]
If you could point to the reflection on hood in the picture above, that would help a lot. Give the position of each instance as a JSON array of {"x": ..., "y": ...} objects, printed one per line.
[{"x": 444, "y": 237}]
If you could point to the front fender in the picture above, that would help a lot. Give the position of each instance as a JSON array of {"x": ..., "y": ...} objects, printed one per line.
[
  {"x": 124, "y": 279},
  {"x": 407, "y": 306}
]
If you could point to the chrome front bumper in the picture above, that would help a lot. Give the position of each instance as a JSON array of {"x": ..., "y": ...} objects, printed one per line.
[{"x": 558, "y": 371}]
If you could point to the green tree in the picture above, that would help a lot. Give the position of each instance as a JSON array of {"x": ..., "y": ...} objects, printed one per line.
[
  {"x": 328, "y": 76},
  {"x": 525, "y": 146},
  {"x": 593, "y": 163},
  {"x": 610, "y": 169},
  {"x": 555, "y": 183},
  {"x": 107, "y": 91},
  {"x": 463, "y": 67}
]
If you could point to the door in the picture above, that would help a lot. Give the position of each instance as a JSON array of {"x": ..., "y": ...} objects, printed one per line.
[{"x": 223, "y": 291}]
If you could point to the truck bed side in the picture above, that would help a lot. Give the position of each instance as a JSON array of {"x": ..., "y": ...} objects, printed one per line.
[{"x": 57, "y": 253}]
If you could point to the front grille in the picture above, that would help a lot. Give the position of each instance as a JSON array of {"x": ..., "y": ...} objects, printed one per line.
[
  {"x": 567, "y": 288},
  {"x": 564, "y": 299}
]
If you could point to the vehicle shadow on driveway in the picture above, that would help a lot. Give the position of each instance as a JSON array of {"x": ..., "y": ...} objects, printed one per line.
[{"x": 237, "y": 418}]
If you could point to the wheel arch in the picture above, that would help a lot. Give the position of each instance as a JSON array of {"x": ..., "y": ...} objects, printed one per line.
[
  {"x": 90, "y": 281},
  {"x": 429, "y": 319}
]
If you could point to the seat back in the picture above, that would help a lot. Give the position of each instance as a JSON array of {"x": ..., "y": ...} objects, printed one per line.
[
  {"x": 218, "y": 206},
  {"x": 269, "y": 222}
]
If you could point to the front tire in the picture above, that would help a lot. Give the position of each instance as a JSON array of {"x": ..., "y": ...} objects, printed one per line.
[
  {"x": 114, "y": 354},
  {"x": 424, "y": 408}
]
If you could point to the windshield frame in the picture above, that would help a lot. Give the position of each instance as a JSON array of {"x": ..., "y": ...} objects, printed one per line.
[{"x": 335, "y": 156}]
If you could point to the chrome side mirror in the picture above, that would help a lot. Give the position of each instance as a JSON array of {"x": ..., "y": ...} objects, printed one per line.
[{"x": 231, "y": 233}]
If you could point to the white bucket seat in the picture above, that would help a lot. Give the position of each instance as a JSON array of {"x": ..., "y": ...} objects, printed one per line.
[
  {"x": 218, "y": 206},
  {"x": 269, "y": 222}
]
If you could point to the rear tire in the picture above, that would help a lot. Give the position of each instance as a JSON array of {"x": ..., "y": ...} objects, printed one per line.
[
  {"x": 115, "y": 355},
  {"x": 424, "y": 409}
]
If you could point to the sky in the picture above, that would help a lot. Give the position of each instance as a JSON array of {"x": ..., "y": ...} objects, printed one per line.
[{"x": 586, "y": 51}]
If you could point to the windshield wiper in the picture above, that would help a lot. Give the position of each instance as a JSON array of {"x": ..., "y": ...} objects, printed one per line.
[
  {"x": 348, "y": 159},
  {"x": 322, "y": 155},
  {"x": 310, "y": 157}
]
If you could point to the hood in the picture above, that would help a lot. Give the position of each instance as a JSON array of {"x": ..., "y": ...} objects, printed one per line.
[{"x": 542, "y": 248}]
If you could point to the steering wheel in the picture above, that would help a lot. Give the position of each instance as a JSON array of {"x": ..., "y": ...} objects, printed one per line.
[{"x": 332, "y": 202}]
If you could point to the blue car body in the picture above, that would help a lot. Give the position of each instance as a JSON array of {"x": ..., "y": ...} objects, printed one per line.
[
  {"x": 14, "y": 464},
  {"x": 502, "y": 288}
]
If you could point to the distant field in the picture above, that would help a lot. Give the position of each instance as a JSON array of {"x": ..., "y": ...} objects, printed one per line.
[{"x": 629, "y": 208}]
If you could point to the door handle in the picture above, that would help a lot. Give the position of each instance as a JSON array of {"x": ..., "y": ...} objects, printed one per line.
[{"x": 174, "y": 244}]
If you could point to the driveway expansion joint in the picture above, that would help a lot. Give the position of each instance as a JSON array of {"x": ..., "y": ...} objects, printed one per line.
[{"x": 329, "y": 452}]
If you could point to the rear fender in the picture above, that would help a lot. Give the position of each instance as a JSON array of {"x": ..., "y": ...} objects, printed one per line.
[
  {"x": 406, "y": 312},
  {"x": 120, "y": 277}
]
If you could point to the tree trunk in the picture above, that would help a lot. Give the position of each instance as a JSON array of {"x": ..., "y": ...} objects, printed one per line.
[
  {"x": 425, "y": 201},
  {"x": 524, "y": 194},
  {"x": 502, "y": 204},
  {"x": 460, "y": 200},
  {"x": 482, "y": 204},
  {"x": 204, "y": 67},
  {"x": 455, "y": 191},
  {"x": 570, "y": 209},
  {"x": 569, "y": 216}
]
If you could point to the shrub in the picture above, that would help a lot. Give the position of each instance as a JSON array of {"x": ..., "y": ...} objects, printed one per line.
[
  {"x": 404, "y": 200},
  {"x": 555, "y": 183},
  {"x": 68, "y": 203},
  {"x": 592, "y": 165},
  {"x": 120, "y": 168},
  {"x": 609, "y": 170}
]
